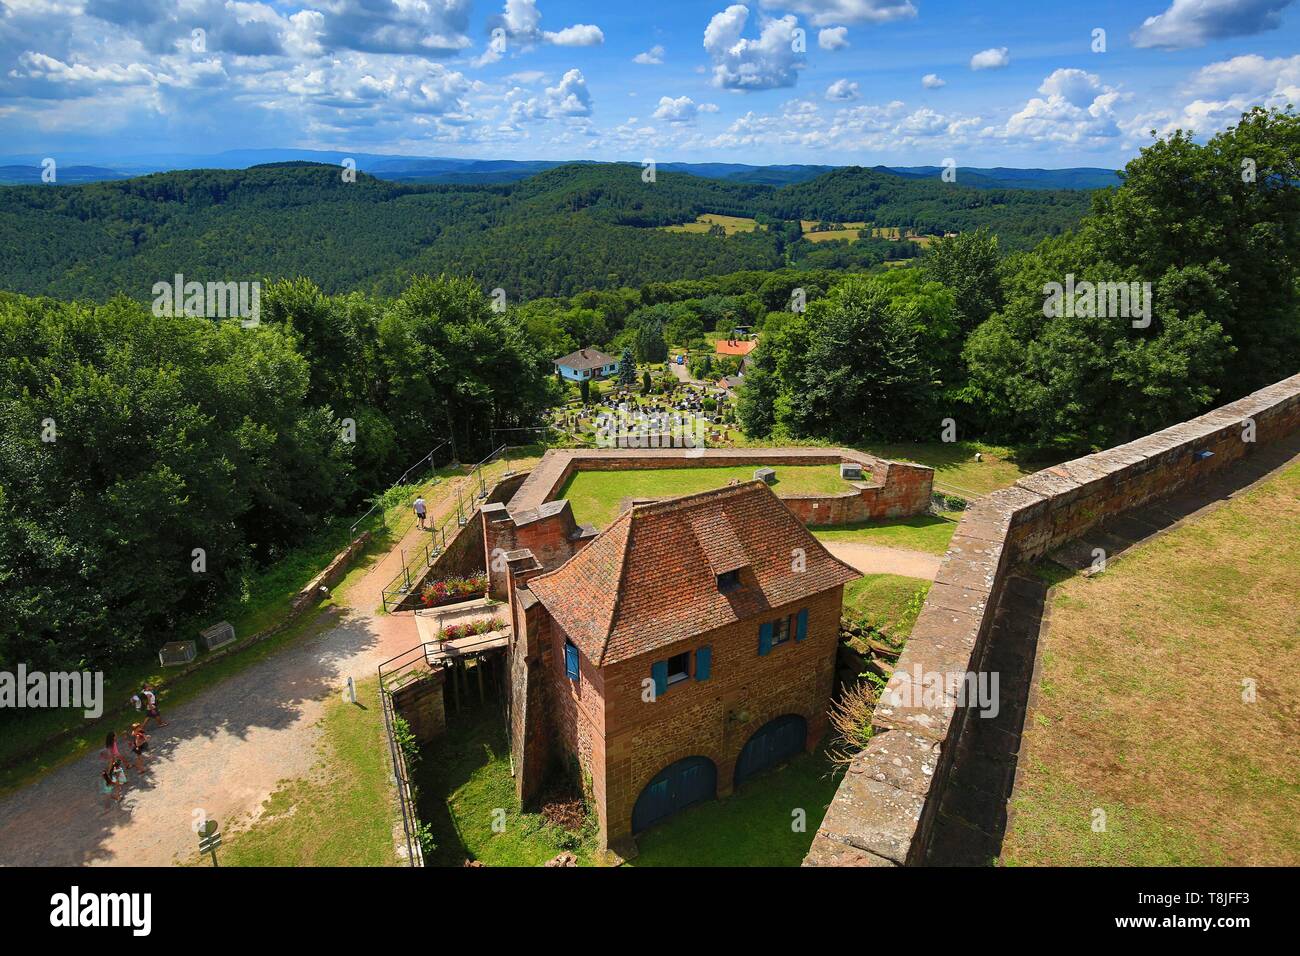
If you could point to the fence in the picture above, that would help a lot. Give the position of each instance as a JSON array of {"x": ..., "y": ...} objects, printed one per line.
[
  {"x": 398, "y": 675},
  {"x": 416, "y": 561},
  {"x": 381, "y": 504}
]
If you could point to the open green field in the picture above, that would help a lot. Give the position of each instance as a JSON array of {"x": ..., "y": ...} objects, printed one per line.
[
  {"x": 928, "y": 532},
  {"x": 888, "y": 601},
  {"x": 1168, "y": 700},
  {"x": 597, "y": 495},
  {"x": 732, "y": 224},
  {"x": 770, "y": 821},
  {"x": 300, "y": 823}
]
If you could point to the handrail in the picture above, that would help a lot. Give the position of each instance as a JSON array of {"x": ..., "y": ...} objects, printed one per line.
[
  {"x": 400, "y": 481},
  {"x": 405, "y": 796}
]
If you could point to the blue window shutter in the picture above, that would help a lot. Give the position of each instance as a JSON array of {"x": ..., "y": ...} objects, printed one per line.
[
  {"x": 703, "y": 663},
  {"x": 659, "y": 671},
  {"x": 765, "y": 638},
  {"x": 801, "y": 625},
  {"x": 571, "y": 661}
]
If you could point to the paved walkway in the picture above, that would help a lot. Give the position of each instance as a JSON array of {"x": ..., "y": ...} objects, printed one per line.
[{"x": 875, "y": 559}]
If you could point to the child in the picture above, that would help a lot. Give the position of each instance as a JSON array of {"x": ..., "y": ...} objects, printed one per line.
[
  {"x": 139, "y": 744},
  {"x": 107, "y": 788},
  {"x": 110, "y": 752}
]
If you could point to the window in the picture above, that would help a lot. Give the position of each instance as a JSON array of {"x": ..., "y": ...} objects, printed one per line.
[
  {"x": 781, "y": 631},
  {"x": 774, "y": 633},
  {"x": 570, "y": 661},
  {"x": 679, "y": 667},
  {"x": 728, "y": 581}
]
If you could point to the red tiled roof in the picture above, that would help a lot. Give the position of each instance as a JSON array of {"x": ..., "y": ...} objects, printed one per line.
[
  {"x": 741, "y": 347},
  {"x": 650, "y": 579}
]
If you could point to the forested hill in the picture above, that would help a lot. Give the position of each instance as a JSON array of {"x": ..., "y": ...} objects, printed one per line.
[{"x": 570, "y": 228}]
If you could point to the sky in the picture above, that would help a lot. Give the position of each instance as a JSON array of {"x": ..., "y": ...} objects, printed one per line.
[{"x": 862, "y": 82}]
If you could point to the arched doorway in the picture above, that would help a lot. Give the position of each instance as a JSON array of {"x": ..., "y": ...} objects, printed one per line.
[
  {"x": 689, "y": 780},
  {"x": 774, "y": 743}
]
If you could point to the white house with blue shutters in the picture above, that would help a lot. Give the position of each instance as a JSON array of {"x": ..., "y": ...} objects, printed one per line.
[{"x": 585, "y": 365}]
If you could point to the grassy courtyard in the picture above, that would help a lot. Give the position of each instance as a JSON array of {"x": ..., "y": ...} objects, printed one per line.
[
  {"x": 890, "y": 602},
  {"x": 1168, "y": 701},
  {"x": 770, "y": 821},
  {"x": 928, "y": 532},
  {"x": 597, "y": 495}
]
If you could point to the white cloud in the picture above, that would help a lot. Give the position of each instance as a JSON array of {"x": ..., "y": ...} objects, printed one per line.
[
  {"x": 1075, "y": 108},
  {"x": 740, "y": 63},
  {"x": 932, "y": 81},
  {"x": 520, "y": 24},
  {"x": 833, "y": 38},
  {"x": 824, "y": 12},
  {"x": 1190, "y": 23},
  {"x": 993, "y": 58},
  {"x": 682, "y": 109},
  {"x": 1222, "y": 91},
  {"x": 651, "y": 57},
  {"x": 842, "y": 90}
]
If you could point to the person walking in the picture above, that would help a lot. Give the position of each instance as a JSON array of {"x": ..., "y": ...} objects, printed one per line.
[
  {"x": 139, "y": 744},
  {"x": 119, "y": 780},
  {"x": 420, "y": 510},
  {"x": 107, "y": 788},
  {"x": 151, "y": 706},
  {"x": 110, "y": 752}
]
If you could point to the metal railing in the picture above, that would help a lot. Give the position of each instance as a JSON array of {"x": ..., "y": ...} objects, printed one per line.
[
  {"x": 396, "y": 677},
  {"x": 423, "y": 557},
  {"x": 379, "y": 502}
]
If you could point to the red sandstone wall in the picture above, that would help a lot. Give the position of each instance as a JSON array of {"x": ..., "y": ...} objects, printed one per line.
[
  {"x": 691, "y": 718},
  {"x": 883, "y": 812}
]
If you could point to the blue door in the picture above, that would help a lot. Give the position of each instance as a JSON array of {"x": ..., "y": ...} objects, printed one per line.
[
  {"x": 689, "y": 780},
  {"x": 774, "y": 743}
]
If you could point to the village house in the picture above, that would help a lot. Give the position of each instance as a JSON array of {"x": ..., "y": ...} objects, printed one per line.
[
  {"x": 735, "y": 346},
  {"x": 586, "y": 364},
  {"x": 669, "y": 658}
]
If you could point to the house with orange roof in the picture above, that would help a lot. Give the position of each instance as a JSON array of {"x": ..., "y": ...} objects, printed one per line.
[
  {"x": 673, "y": 656},
  {"x": 740, "y": 347}
]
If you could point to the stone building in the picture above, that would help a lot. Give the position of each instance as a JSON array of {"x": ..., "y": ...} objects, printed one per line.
[{"x": 688, "y": 646}]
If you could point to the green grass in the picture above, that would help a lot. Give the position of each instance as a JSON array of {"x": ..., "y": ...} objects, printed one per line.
[
  {"x": 596, "y": 495},
  {"x": 755, "y": 826},
  {"x": 927, "y": 532},
  {"x": 464, "y": 787},
  {"x": 731, "y": 224},
  {"x": 888, "y": 601},
  {"x": 1141, "y": 708},
  {"x": 344, "y": 814}
]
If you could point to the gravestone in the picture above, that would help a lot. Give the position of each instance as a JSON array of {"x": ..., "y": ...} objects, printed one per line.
[
  {"x": 176, "y": 653},
  {"x": 218, "y": 635}
]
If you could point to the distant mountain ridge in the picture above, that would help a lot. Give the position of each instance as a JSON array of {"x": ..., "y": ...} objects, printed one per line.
[{"x": 397, "y": 168}]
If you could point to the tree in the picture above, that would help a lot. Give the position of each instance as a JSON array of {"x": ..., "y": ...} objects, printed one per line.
[
  {"x": 627, "y": 369},
  {"x": 647, "y": 385}
]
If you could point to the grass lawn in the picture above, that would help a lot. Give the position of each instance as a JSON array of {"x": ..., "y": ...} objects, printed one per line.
[
  {"x": 755, "y": 826},
  {"x": 1143, "y": 711},
  {"x": 344, "y": 814},
  {"x": 888, "y": 601},
  {"x": 927, "y": 532},
  {"x": 464, "y": 787},
  {"x": 955, "y": 466},
  {"x": 596, "y": 494}
]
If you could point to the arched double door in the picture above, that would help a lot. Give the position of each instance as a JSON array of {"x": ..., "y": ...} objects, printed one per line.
[
  {"x": 679, "y": 785},
  {"x": 774, "y": 743}
]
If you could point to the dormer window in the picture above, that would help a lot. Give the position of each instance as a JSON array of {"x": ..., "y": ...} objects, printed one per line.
[{"x": 728, "y": 581}]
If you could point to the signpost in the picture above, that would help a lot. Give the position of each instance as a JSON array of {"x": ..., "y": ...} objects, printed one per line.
[{"x": 210, "y": 839}]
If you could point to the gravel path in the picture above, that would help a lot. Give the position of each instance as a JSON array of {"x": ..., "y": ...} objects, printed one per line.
[{"x": 874, "y": 559}]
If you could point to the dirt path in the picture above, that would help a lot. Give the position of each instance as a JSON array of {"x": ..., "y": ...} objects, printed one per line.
[
  {"x": 226, "y": 750},
  {"x": 874, "y": 559}
]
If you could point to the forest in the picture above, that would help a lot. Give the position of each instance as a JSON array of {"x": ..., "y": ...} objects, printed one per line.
[
  {"x": 560, "y": 232},
  {"x": 127, "y": 437}
]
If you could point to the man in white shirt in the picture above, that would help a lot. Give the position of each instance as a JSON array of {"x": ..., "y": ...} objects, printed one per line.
[{"x": 420, "y": 511}]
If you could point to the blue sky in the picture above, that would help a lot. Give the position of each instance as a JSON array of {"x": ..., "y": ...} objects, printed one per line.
[{"x": 768, "y": 81}]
